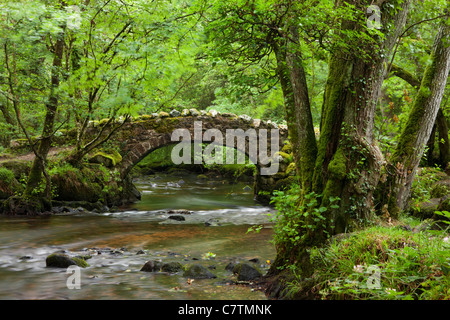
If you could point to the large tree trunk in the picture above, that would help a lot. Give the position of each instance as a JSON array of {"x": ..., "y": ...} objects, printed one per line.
[
  {"x": 405, "y": 160},
  {"x": 349, "y": 160}
]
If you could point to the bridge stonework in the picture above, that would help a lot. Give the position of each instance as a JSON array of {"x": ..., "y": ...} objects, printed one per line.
[{"x": 138, "y": 137}]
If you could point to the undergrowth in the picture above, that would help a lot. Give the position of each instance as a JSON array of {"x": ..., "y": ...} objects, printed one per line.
[{"x": 383, "y": 263}]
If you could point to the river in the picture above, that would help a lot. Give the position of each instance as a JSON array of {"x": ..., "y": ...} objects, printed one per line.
[{"x": 119, "y": 243}]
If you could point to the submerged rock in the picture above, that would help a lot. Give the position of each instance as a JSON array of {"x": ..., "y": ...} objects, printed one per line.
[{"x": 197, "y": 271}]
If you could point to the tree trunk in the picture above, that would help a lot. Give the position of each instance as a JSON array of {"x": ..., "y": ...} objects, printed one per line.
[
  {"x": 300, "y": 127},
  {"x": 349, "y": 160},
  {"x": 405, "y": 160},
  {"x": 39, "y": 163},
  {"x": 441, "y": 123},
  {"x": 298, "y": 110},
  {"x": 444, "y": 143}
]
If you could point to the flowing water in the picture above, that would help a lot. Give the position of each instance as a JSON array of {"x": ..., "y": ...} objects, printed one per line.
[{"x": 213, "y": 233}]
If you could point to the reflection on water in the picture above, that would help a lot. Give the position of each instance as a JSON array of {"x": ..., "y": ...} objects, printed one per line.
[{"x": 217, "y": 218}]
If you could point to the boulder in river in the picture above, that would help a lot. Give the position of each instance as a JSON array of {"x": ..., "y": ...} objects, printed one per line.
[
  {"x": 246, "y": 272},
  {"x": 177, "y": 218},
  {"x": 60, "y": 260},
  {"x": 172, "y": 267},
  {"x": 152, "y": 266},
  {"x": 197, "y": 271}
]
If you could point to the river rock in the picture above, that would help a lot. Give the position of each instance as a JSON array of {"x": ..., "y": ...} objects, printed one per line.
[
  {"x": 197, "y": 271},
  {"x": 213, "y": 222},
  {"x": 172, "y": 267},
  {"x": 152, "y": 266},
  {"x": 179, "y": 211},
  {"x": 246, "y": 272},
  {"x": 177, "y": 218},
  {"x": 60, "y": 260}
]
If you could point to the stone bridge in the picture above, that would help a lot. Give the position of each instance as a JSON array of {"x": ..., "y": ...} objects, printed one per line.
[{"x": 260, "y": 140}]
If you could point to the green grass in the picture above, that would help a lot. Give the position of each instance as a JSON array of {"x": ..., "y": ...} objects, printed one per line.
[{"x": 411, "y": 264}]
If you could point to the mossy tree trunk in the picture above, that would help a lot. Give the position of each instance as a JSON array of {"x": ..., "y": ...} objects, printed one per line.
[
  {"x": 300, "y": 128},
  {"x": 444, "y": 143},
  {"x": 39, "y": 163},
  {"x": 298, "y": 110},
  {"x": 410, "y": 148},
  {"x": 440, "y": 126},
  {"x": 348, "y": 160}
]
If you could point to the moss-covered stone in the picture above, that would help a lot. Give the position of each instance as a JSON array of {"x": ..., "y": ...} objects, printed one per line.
[
  {"x": 246, "y": 272},
  {"x": 440, "y": 189},
  {"x": 147, "y": 117},
  {"x": 152, "y": 266},
  {"x": 284, "y": 183},
  {"x": 197, "y": 271},
  {"x": 109, "y": 160},
  {"x": 73, "y": 184},
  {"x": 60, "y": 260},
  {"x": 172, "y": 267}
]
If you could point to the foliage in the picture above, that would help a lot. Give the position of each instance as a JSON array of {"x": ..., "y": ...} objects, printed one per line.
[
  {"x": 411, "y": 265},
  {"x": 294, "y": 220},
  {"x": 422, "y": 186},
  {"x": 6, "y": 175}
]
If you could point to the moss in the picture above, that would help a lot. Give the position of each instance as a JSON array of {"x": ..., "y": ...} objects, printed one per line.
[
  {"x": 287, "y": 148},
  {"x": 8, "y": 184},
  {"x": 167, "y": 125},
  {"x": 291, "y": 168},
  {"x": 286, "y": 156},
  {"x": 80, "y": 262},
  {"x": 439, "y": 190},
  {"x": 338, "y": 79},
  {"x": 72, "y": 184},
  {"x": 163, "y": 114},
  {"x": 406, "y": 143},
  {"x": 58, "y": 260},
  {"x": 6, "y": 175},
  {"x": 284, "y": 183},
  {"x": 337, "y": 168},
  {"x": 103, "y": 122},
  {"x": 146, "y": 117},
  {"x": 112, "y": 158}
]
